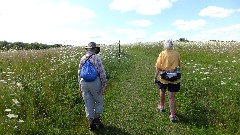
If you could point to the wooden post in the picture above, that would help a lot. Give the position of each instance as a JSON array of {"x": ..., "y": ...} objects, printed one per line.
[{"x": 119, "y": 51}]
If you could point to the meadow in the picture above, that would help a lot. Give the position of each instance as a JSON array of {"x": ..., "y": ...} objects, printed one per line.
[{"x": 39, "y": 91}]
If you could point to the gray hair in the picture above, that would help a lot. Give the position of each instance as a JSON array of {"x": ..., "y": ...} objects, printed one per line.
[
  {"x": 168, "y": 44},
  {"x": 92, "y": 50}
]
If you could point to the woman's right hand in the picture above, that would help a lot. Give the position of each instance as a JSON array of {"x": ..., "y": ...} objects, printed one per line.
[{"x": 155, "y": 80}]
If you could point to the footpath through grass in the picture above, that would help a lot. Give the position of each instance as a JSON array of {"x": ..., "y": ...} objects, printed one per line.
[
  {"x": 132, "y": 98},
  {"x": 131, "y": 101}
]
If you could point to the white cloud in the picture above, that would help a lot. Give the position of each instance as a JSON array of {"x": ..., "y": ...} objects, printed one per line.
[
  {"x": 142, "y": 23},
  {"x": 133, "y": 35},
  {"x": 88, "y": 23},
  {"x": 143, "y": 7},
  {"x": 45, "y": 21},
  {"x": 80, "y": 37},
  {"x": 230, "y": 28},
  {"x": 189, "y": 25},
  {"x": 227, "y": 33},
  {"x": 163, "y": 35},
  {"x": 214, "y": 11}
]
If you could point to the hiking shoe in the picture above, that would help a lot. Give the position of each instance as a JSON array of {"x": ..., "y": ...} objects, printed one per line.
[
  {"x": 161, "y": 108},
  {"x": 92, "y": 126},
  {"x": 97, "y": 121},
  {"x": 172, "y": 118}
]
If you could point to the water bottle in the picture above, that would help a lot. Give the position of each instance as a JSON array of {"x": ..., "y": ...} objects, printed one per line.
[
  {"x": 178, "y": 72},
  {"x": 178, "y": 69}
]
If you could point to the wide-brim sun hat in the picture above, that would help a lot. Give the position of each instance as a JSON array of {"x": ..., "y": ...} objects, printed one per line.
[{"x": 91, "y": 45}]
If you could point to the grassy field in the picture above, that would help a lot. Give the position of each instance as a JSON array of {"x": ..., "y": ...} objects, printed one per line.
[{"x": 39, "y": 92}]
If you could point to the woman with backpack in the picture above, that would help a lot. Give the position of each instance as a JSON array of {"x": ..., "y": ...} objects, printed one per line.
[
  {"x": 92, "y": 80},
  {"x": 167, "y": 76}
]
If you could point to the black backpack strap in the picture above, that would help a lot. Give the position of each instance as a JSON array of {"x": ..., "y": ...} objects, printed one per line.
[{"x": 88, "y": 58}]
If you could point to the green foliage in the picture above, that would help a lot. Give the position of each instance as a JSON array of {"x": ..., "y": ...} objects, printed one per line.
[
  {"x": 41, "y": 92},
  {"x": 6, "y": 46}
]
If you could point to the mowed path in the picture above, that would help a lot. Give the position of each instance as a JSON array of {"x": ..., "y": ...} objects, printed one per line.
[{"x": 131, "y": 101}]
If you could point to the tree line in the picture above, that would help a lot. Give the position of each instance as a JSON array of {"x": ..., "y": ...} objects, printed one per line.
[{"x": 5, "y": 46}]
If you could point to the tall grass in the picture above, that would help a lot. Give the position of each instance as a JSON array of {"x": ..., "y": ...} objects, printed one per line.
[{"x": 39, "y": 92}]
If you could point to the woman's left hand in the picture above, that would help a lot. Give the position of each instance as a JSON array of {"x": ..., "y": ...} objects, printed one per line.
[{"x": 102, "y": 91}]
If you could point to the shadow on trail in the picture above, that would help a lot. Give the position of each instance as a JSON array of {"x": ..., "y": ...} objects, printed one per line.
[
  {"x": 110, "y": 130},
  {"x": 199, "y": 115}
]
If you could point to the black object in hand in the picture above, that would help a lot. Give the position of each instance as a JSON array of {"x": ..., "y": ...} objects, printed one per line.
[{"x": 155, "y": 80}]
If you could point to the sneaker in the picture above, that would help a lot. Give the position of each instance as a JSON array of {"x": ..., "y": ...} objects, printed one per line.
[
  {"x": 97, "y": 121},
  {"x": 161, "y": 108},
  {"x": 92, "y": 126},
  {"x": 172, "y": 118}
]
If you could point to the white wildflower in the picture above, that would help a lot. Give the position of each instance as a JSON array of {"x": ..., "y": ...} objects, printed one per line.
[
  {"x": 15, "y": 101},
  {"x": 12, "y": 115},
  {"x": 20, "y": 121},
  {"x": 19, "y": 84},
  {"x": 223, "y": 83},
  {"x": 206, "y": 73},
  {"x": 7, "y": 110}
]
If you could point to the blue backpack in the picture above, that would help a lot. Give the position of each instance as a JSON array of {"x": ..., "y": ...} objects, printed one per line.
[{"x": 89, "y": 72}]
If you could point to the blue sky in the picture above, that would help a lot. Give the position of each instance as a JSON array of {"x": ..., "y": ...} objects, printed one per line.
[{"x": 78, "y": 22}]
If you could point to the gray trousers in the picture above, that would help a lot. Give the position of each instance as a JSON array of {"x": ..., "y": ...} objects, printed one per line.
[{"x": 92, "y": 98}]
